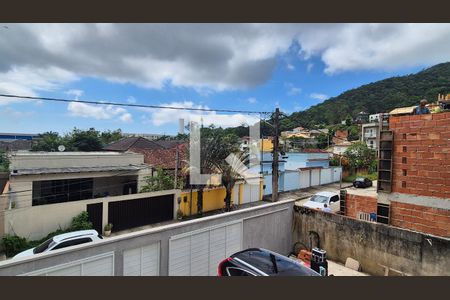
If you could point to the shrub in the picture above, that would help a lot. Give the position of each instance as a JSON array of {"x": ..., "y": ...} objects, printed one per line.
[
  {"x": 14, "y": 244},
  {"x": 80, "y": 222}
]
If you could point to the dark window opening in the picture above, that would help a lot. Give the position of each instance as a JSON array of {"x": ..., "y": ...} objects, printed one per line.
[
  {"x": 403, "y": 160},
  {"x": 238, "y": 272},
  {"x": 405, "y": 172},
  {"x": 73, "y": 243},
  {"x": 383, "y": 213},
  {"x": 405, "y": 149},
  {"x": 65, "y": 190}
]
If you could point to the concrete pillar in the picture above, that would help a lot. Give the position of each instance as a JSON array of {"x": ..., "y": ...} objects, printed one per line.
[{"x": 105, "y": 214}]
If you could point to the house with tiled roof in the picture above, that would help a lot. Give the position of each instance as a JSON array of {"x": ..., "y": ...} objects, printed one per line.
[{"x": 158, "y": 154}]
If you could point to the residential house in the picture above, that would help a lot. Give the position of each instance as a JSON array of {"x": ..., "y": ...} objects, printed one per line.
[
  {"x": 370, "y": 131},
  {"x": 149, "y": 136},
  {"x": 158, "y": 154},
  {"x": 414, "y": 172},
  {"x": 362, "y": 117},
  {"x": 340, "y": 147},
  {"x": 17, "y": 141},
  {"x": 47, "y": 189}
]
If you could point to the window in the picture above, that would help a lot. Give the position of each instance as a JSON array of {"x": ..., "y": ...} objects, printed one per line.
[
  {"x": 238, "y": 272},
  {"x": 44, "y": 246},
  {"x": 383, "y": 213},
  {"x": 319, "y": 199},
  {"x": 57, "y": 191},
  {"x": 73, "y": 243},
  {"x": 334, "y": 199}
]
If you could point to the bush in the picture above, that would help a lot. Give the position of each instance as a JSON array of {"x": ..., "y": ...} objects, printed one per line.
[
  {"x": 80, "y": 222},
  {"x": 14, "y": 244}
]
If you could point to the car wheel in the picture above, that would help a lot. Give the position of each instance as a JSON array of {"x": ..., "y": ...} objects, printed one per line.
[{"x": 355, "y": 185}]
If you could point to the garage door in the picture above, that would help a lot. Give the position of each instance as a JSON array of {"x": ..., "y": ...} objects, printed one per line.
[
  {"x": 99, "y": 265},
  {"x": 236, "y": 194},
  {"x": 315, "y": 177},
  {"x": 251, "y": 193},
  {"x": 143, "y": 261},
  {"x": 198, "y": 253}
]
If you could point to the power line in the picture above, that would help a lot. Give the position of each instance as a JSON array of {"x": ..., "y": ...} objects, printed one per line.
[{"x": 130, "y": 104}]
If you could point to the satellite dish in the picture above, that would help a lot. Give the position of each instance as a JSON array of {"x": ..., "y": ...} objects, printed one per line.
[{"x": 61, "y": 148}]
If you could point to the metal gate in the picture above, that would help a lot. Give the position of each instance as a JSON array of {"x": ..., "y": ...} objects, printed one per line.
[
  {"x": 198, "y": 253},
  {"x": 139, "y": 212},
  {"x": 95, "y": 212}
]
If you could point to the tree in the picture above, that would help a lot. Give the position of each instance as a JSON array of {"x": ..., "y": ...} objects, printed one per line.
[
  {"x": 353, "y": 133},
  {"x": 48, "y": 141},
  {"x": 109, "y": 136},
  {"x": 4, "y": 162},
  {"x": 323, "y": 140},
  {"x": 162, "y": 180},
  {"x": 360, "y": 156},
  {"x": 215, "y": 146},
  {"x": 85, "y": 140}
]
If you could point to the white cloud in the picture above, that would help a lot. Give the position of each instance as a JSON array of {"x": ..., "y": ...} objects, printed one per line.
[
  {"x": 159, "y": 117},
  {"x": 290, "y": 67},
  {"x": 309, "y": 67},
  {"x": 98, "y": 112},
  {"x": 28, "y": 81},
  {"x": 318, "y": 96},
  {"x": 252, "y": 100},
  {"x": 76, "y": 93},
  {"x": 131, "y": 100},
  {"x": 205, "y": 57},
  {"x": 292, "y": 89}
]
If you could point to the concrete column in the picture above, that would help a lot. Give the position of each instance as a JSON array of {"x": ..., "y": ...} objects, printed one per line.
[{"x": 105, "y": 214}]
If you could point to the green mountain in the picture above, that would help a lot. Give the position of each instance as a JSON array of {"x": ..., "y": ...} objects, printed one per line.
[{"x": 380, "y": 96}]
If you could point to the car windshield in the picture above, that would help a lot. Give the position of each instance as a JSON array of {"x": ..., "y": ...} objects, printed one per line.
[
  {"x": 319, "y": 199},
  {"x": 359, "y": 179},
  {"x": 44, "y": 246}
]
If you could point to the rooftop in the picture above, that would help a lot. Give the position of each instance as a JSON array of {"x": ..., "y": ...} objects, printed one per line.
[
  {"x": 69, "y": 153},
  {"x": 38, "y": 171}
]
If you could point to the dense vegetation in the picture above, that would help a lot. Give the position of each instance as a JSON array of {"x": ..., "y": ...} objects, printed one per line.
[
  {"x": 77, "y": 140},
  {"x": 4, "y": 162},
  {"x": 380, "y": 96}
]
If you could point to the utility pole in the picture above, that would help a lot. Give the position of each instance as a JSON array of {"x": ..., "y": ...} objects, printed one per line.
[
  {"x": 275, "y": 156},
  {"x": 176, "y": 168}
]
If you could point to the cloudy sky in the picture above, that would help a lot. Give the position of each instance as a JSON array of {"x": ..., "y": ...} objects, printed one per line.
[{"x": 235, "y": 66}]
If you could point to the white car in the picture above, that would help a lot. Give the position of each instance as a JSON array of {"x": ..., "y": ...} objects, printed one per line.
[
  {"x": 62, "y": 241},
  {"x": 318, "y": 200}
]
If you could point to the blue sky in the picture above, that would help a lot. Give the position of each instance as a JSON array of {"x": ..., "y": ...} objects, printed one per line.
[{"x": 246, "y": 68}]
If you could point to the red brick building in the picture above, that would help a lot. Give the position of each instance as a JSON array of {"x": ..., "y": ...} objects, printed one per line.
[{"x": 419, "y": 198}]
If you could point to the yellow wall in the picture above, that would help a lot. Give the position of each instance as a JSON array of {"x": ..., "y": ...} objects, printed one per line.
[
  {"x": 267, "y": 145},
  {"x": 212, "y": 199}
]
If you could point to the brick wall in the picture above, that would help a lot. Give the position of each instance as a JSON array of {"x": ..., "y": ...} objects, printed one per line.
[
  {"x": 421, "y": 218},
  {"x": 359, "y": 203},
  {"x": 421, "y": 157}
]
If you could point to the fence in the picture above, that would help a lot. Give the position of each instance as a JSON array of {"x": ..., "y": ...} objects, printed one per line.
[
  {"x": 380, "y": 249},
  {"x": 192, "y": 247},
  {"x": 294, "y": 180},
  {"x": 36, "y": 222}
]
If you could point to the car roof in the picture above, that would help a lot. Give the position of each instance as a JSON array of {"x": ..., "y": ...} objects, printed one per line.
[
  {"x": 74, "y": 234},
  {"x": 248, "y": 257},
  {"x": 327, "y": 194}
]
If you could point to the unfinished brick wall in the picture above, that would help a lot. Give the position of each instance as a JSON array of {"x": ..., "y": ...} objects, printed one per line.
[
  {"x": 421, "y": 154},
  {"x": 359, "y": 203},
  {"x": 421, "y": 218}
]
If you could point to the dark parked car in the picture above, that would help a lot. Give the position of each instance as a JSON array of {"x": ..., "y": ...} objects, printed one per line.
[
  {"x": 362, "y": 182},
  {"x": 262, "y": 262}
]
